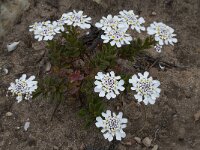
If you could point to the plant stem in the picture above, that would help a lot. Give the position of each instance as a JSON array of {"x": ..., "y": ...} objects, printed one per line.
[
  {"x": 113, "y": 144},
  {"x": 55, "y": 109}
]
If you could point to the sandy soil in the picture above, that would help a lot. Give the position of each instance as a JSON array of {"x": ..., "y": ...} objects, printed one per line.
[{"x": 170, "y": 122}]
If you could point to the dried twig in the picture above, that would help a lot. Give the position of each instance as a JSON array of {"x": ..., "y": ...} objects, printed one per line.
[{"x": 53, "y": 3}]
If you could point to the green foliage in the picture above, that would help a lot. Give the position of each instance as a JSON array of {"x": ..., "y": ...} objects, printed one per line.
[
  {"x": 105, "y": 58},
  {"x": 95, "y": 105},
  {"x": 137, "y": 46},
  {"x": 87, "y": 86},
  {"x": 94, "y": 109},
  {"x": 56, "y": 51},
  {"x": 62, "y": 52},
  {"x": 126, "y": 78},
  {"x": 74, "y": 46},
  {"x": 53, "y": 88}
]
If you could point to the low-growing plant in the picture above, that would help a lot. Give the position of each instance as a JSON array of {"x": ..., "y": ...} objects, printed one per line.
[
  {"x": 105, "y": 58},
  {"x": 93, "y": 80}
]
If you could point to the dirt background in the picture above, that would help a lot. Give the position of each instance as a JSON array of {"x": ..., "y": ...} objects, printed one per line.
[{"x": 170, "y": 122}]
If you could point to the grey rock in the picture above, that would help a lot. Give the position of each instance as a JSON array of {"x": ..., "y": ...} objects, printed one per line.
[
  {"x": 137, "y": 139},
  {"x": 147, "y": 141},
  {"x": 10, "y": 13},
  {"x": 155, "y": 147},
  {"x": 55, "y": 148},
  {"x": 181, "y": 133},
  {"x": 12, "y": 46}
]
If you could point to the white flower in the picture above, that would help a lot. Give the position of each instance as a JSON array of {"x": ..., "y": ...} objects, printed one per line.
[
  {"x": 114, "y": 30},
  {"x": 163, "y": 33},
  {"x": 59, "y": 25},
  {"x": 111, "y": 23},
  {"x": 108, "y": 85},
  {"x": 158, "y": 48},
  {"x": 133, "y": 20},
  {"x": 146, "y": 88},
  {"x": 35, "y": 26},
  {"x": 44, "y": 30},
  {"x": 23, "y": 86},
  {"x": 77, "y": 19},
  {"x": 117, "y": 37},
  {"x": 112, "y": 125}
]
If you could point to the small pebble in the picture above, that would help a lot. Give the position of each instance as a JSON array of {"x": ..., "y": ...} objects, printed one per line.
[
  {"x": 11, "y": 47},
  {"x": 9, "y": 114},
  {"x": 97, "y": 1},
  {"x": 47, "y": 67},
  {"x": 102, "y": 3},
  {"x": 137, "y": 139},
  {"x": 197, "y": 115},
  {"x": 154, "y": 13},
  {"x": 155, "y": 147},
  {"x": 17, "y": 128},
  {"x": 161, "y": 67},
  {"x": 3, "y": 71},
  {"x": 147, "y": 141},
  {"x": 55, "y": 148},
  {"x": 26, "y": 125},
  {"x": 181, "y": 134}
]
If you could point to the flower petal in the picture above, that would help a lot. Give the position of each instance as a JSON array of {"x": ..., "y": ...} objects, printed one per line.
[{"x": 102, "y": 93}]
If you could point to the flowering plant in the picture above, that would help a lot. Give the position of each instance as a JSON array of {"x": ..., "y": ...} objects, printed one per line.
[
  {"x": 163, "y": 34},
  {"x": 108, "y": 85},
  {"x": 78, "y": 61},
  {"x": 146, "y": 88},
  {"x": 23, "y": 86},
  {"x": 112, "y": 125}
]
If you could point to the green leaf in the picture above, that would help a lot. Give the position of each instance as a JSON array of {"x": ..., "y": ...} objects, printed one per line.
[
  {"x": 82, "y": 112},
  {"x": 105, "y": 58},
  {"x": 136, "y": 47}
]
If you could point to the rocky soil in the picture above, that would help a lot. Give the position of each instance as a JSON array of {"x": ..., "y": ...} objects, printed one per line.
[{"x": 171, "y": 124}]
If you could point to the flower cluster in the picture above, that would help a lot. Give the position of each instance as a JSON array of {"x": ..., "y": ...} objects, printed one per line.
[
  {"x": 108, "y": 85},
  {"x": 47, "y": 30},
  {"x": 77, "y": 19},
  {"x": 146, "y": 88},
  {"x": 115, "y": 27},
  {"x": 114, "y": 30},
  {"x": 43, "y": 30},
  {"x": 112, "y": 125},
  {"x": 132, "y": 20},
  {"x": 23, "y": 86},
  {"x": 147, "y": 91},
  {"x": 164, "y": 34},
  {"x": 116, "y": 37},
  {"x": 111, "y": 23}
]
